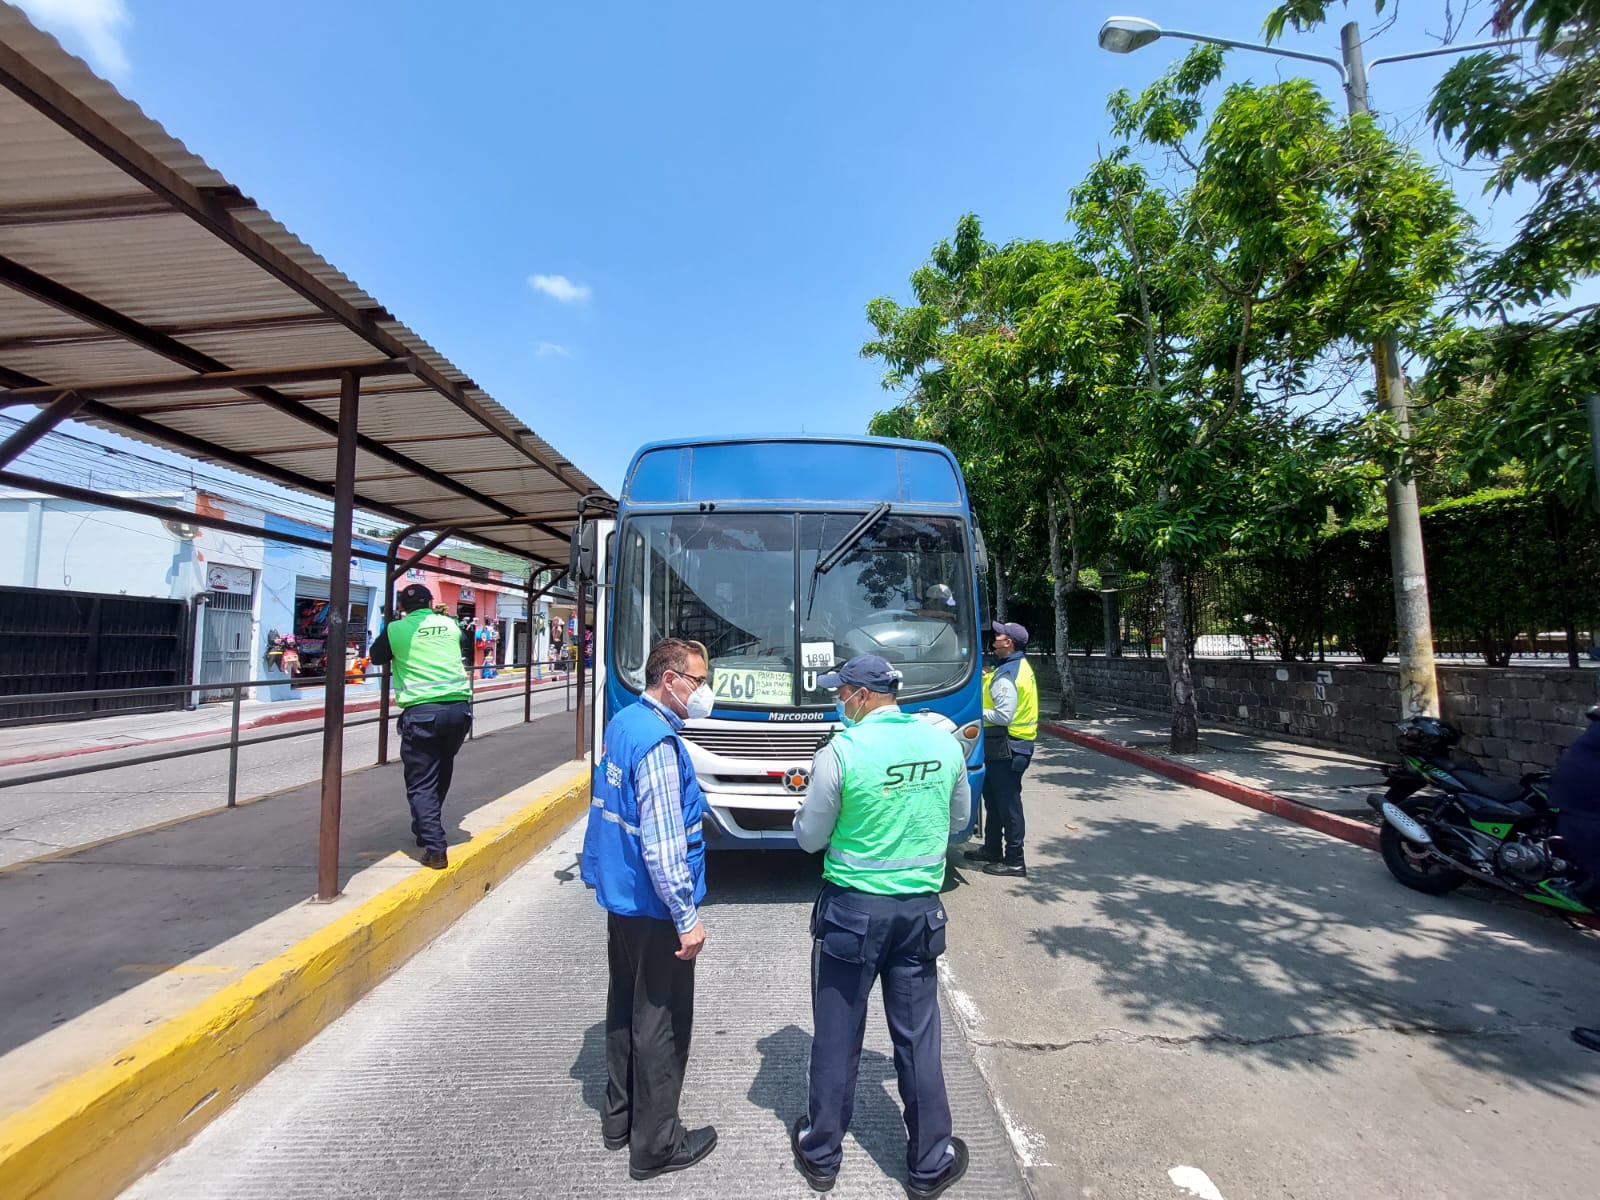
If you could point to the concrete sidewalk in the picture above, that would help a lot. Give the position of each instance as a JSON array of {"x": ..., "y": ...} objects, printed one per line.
[
  {"x": 477, "y": 1072},
  {"x": 104, "y": 944},
  {"x": 1333, "y": 781},
  {"x": 20, "y": 744}
]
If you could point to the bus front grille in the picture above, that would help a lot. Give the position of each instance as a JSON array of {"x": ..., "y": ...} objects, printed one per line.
[{"x": 758, "y": 742}]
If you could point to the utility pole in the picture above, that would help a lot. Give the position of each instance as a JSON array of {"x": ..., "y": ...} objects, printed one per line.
[{"x": 1419, "y": 687}]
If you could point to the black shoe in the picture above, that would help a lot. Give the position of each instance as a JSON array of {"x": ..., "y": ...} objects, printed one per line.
[
  {"x": 818, "y": 1181},
  {"x": 696, "y": 1144},
  {"x": 1005, "y": 868},
  {"x": 981, "y": 854},
  {"x": 615, "y": 1143},
  {"x": 1589, "y": 1039},
  {"x": 437, "y": 859},
  {"x": 945, "y": 1178}
]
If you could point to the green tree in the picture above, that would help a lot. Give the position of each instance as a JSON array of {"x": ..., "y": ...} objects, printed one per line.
[
  {"x": 1509, "y": 382},
  {"x": 1276, "y": 247},
  {"x": 914, "y": 342},
  {"x": 999, "y": 358},
  {"x": 1037, "y": 370}
]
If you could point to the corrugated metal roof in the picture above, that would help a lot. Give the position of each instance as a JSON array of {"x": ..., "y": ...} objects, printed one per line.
[{"x": 125, "y": 259}]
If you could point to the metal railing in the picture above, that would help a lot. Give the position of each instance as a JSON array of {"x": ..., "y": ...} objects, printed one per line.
[{"x": 235, "y": 742}]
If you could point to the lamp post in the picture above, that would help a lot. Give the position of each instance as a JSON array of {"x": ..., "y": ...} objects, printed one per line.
[{"x": 1419, "y": 689}]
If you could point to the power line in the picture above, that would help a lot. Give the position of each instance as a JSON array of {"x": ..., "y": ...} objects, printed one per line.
[{"x": 78, "y": 455}]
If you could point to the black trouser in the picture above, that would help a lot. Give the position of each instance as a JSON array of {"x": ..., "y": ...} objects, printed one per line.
[
  {"x": 860, "y": 938},
  {"x": 1581, "y": 833},
  {"x": 1002, "y": 806},
  {"x": 430, "y": 735},
  {"x": 649, "y": 1017}
]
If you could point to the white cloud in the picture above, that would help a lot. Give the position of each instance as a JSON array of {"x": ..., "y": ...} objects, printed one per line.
[
  {"x": 91, "y": 27},
  {"x": 559, "y": 287},
  {"x": 546, "y": 349}
]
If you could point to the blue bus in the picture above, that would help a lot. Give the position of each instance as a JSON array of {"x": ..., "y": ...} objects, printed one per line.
[{"x": 784, "y": 556}]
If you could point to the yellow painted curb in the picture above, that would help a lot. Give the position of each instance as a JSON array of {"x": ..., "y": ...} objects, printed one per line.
[{"x": 94, "y": 1135}]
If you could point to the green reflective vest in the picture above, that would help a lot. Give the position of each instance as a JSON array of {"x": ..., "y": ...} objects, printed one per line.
[
  {"x": 427, "y": 659},
  {"x": 894, "y": 814}
]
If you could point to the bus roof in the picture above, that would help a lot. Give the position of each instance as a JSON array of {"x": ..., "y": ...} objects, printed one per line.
[{"x": 790, "y": 469}]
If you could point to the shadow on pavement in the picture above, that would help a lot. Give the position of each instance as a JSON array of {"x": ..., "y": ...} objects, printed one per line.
[
  {"x": 77, "y": 930},
  {"x": 589, "y": 1069},
  {"x": 761, "y": 877},
  {"x": 780, "y": 1087},
  {"x": 1261, "y": 935}
]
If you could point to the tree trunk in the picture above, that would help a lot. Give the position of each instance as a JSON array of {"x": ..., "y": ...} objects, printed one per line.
[
  {"x": 1061, "y": 589},
  {"x": 1185, "y": 716},
  {"x": 1002, "y": 594}
]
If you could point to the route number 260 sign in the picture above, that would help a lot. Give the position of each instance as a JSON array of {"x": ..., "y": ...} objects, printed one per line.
[{"x": 752, "y": 687}]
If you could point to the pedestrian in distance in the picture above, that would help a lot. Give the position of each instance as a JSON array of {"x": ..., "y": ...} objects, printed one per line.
[
  {"x": 644, "y": 854},
  {"x": 1010, "y": 727},
  {"x": 435, "y": 697},
  {"x": 886, "y": 793}
]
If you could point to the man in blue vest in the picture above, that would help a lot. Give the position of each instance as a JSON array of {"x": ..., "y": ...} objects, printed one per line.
[
  {"x": 885, "y": 795},
  {"x": 644, "y": 854}
]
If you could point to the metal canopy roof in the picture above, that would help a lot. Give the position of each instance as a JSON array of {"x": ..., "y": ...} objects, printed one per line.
[{"x": 164, "y": 304}]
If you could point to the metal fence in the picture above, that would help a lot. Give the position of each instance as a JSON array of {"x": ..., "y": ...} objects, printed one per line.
[
  {"x": 1309, "y": 609},
  {"x": 149, "y": 697},
  {"x": 81, "y": 653}
]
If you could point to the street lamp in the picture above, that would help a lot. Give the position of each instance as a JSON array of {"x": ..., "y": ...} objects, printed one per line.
[{"x": 1419, "y": 688}]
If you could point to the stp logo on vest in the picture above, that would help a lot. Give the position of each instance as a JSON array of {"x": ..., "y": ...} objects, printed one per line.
[{"x": 912, "y": 772}]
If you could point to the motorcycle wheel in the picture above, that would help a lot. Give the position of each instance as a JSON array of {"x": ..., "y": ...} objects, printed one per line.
[{"x": 1414, "y": 868}]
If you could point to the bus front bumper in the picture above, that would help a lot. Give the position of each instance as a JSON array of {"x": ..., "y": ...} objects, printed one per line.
[{"x": 761, "y": 821}]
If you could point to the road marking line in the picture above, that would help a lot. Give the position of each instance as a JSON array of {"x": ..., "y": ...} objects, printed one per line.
[
  {"x": 1194, "y": 1181},
  {"x": 1028, "y": 1146}
]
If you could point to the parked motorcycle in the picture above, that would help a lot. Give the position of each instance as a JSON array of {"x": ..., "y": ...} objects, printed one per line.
[{"x": 1445, "y": 822}]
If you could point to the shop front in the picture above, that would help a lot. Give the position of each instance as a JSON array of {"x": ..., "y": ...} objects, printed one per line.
[
  {"x": 310, "y": 629},
  {"x": 511, "y": 628},
  {"x": 295, "y": 607}
]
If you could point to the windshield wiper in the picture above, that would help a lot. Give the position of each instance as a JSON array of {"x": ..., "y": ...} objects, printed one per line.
[{"x": 843, "y": 546}]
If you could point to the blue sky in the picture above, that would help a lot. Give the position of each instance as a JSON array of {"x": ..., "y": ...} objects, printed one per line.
[{"x": 631, "y": 221}]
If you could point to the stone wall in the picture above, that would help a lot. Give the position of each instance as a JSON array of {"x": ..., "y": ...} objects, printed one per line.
[{"x": 1512, "y": 720}]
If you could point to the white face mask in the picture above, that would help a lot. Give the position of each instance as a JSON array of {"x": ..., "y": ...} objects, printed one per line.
[{"x": 698, "y": 704}]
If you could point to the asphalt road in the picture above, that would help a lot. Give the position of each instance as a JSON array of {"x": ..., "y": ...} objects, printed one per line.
[
  {"x": 1183, "y": 984},
  {"x": 44, "y": 818},
  {"x": 1185, "y": 998}
]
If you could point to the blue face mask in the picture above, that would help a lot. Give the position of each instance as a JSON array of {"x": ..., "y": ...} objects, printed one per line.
[{"x": 844, "y": 717}]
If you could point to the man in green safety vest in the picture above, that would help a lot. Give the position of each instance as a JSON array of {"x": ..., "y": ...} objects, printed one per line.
[
  {"x": 885, "y": 795},
  {"x": 1010, "y": 727},
  {"x": 435, "y": 698}
]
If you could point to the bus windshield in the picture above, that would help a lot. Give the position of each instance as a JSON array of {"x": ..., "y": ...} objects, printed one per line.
[{"x": 745, "y": 586}]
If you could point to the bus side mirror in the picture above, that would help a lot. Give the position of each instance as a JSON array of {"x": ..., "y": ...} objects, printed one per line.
[{"x": 581, "y": 554}]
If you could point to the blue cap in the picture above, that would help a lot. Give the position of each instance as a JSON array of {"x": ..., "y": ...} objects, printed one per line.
[
  {"x": 1012, "y": 630},
  {"x": 864, "y": 671}
]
